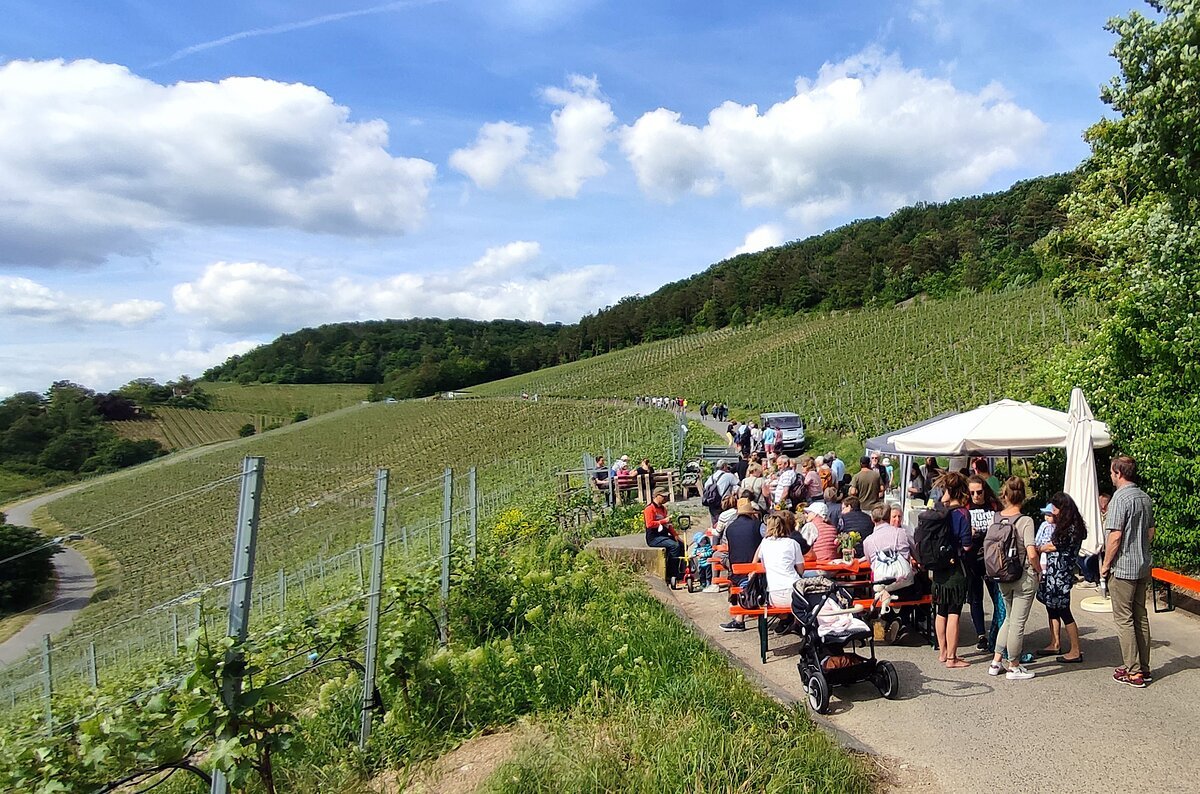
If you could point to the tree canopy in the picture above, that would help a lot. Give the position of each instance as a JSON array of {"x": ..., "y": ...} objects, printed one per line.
[
  {"x": 1132, "y": 242},
  {"x": 978, "y": 243}
]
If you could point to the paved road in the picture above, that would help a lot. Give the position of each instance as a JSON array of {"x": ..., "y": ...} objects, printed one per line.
[
  {"x": 1071, "y": 728},
  {"x": 75, "y": 586},
  {"x": 75, "y": 580}
]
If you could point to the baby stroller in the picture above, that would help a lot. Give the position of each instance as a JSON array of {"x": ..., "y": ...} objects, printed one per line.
[{"x": 828, "y": 640}]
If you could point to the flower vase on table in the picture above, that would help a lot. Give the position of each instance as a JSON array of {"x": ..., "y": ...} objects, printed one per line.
[{"x": 848, "y": 555}]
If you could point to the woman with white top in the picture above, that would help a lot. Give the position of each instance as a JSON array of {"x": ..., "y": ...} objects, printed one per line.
[{"x": 783, "y": 560}]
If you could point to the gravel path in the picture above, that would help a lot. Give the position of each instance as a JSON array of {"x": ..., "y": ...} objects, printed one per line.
[{"x": 74, "y": 590}]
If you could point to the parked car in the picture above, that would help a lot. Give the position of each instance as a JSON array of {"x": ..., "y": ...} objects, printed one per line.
[{"x": 791, "y": 431}]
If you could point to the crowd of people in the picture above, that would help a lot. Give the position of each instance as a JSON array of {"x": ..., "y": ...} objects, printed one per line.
[
  {"x": 670, "y": 403},
  {"x": 787, "y": 515}
]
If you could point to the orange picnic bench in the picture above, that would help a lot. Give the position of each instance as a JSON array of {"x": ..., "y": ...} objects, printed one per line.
[
  {"x": 1163, "y": 580},
  {"x": 763, "y": 613}
]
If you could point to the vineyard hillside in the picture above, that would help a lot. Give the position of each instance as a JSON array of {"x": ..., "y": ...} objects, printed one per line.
[
  {"x": 265, "y": 406},
  {"x": 180, "y": 428},
  {"x": 166, "y": 544},
  {"x": 284, "y": 400},
  {"x": 859, "y": 372}
]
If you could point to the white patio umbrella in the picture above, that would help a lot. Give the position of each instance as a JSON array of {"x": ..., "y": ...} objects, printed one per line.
[
  {"x": 1080, "y": 480},
  {"x": 1003, "y": 427}
]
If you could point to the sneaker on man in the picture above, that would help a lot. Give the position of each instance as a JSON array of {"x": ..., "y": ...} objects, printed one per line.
[
  {"x": 733, "y": 625},
  {"x": 712, "y": 588},
  {"x": 1019, "y": 673},
  {"x": 893, "y": 631}
]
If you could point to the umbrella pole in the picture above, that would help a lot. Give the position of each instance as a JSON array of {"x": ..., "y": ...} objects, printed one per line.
[{"x": 1010, "y": 469}]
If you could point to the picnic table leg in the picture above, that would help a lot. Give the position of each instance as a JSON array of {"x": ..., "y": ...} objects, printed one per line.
[{"x": 762, "y": 636}]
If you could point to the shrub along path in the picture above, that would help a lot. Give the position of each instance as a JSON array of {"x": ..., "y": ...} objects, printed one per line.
[
  {"x": 961, "y": 730},
  {"x": 75, "y": 584}
]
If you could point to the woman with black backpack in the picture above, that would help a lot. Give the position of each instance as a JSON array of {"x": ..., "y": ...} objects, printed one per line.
[{"x": 950, "y": 579}]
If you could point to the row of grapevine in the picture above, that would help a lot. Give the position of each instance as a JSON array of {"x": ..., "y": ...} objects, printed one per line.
[{"x": 855, "y": 372}]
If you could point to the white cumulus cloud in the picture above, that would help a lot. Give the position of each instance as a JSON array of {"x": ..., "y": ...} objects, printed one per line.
[
  {"x": 507, "y": 281},
  {"x": 98, "y": 160},
  {"x": 580, "y": 126},
  {"x": 497, "y": 149},
  {"x": 768, "y": 235},
  {"x": 866, "y": 131},
  {"x": 25, "y": 298}
]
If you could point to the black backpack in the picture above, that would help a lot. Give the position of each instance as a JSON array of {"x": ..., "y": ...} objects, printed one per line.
[
  {"x": 711, "y": 497},
  {"x": 936, "y": 549},
  {"x": 754, "y": 592}
]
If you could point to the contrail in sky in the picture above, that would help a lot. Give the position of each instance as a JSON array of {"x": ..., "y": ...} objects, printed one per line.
[{"x": 287, "y": 27}]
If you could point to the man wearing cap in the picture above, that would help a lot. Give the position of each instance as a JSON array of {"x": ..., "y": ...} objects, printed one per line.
[
  {"x": 659, "y": 532},
  {"x": 819, "y": 533},
  {"x": 725, "y": 481},
  {"x": 743, "y": 535}
]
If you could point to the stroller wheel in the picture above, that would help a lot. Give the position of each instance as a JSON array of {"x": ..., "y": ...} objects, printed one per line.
[
  {"x": 818, "y": 693},
  {"x": 674, "y": 583},
  {"x": 692, "y": 584},
  {"x": 886, "y": 681}
]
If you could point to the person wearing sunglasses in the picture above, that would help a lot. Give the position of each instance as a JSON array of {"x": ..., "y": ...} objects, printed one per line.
[{"x": 983, "y": 506}]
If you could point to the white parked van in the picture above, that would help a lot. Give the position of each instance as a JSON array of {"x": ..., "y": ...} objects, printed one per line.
[{"x": 791, "y": 431}]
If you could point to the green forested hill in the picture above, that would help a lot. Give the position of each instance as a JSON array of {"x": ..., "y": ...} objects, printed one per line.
[{"x": 975, "y": 244}]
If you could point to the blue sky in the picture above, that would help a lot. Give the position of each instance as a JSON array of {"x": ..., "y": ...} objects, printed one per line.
[{"x": 180, "y": 184}]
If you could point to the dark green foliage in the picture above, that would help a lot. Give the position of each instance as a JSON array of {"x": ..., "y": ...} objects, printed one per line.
[
  {"x": 299, "y": 416},
  {"x": 1133, "y": 244},
  {"x": 23, "y": 580},
  {"x": 409, "y": 358},
  {"x": 975, "y": 243},
  {"x": 55, "y": 436},
  {"x": 246, "y": 430}
]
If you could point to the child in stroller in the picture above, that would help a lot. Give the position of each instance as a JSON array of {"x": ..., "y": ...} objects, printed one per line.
[{"x": 824, "y": 614}]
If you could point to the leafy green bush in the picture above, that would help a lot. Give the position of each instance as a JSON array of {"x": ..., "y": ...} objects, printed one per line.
[{"x": 23, "y": 580}]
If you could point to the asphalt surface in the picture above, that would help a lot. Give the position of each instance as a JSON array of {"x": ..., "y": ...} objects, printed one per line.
[
  {"x": 75, "y": 586},
  {"x": 1071, "y": 728}
]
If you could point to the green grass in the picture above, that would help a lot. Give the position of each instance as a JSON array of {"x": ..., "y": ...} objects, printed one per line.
[
  {"x": 852, "y": 373},
  {"x": 13, "y": 485}
]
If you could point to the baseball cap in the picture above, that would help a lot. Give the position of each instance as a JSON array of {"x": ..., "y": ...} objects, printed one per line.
[{"x": 818, "y": 509}]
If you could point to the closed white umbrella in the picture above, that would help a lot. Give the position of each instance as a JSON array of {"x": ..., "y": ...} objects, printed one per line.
[
  {"x": 1006, "y": 426},
  {"x": 1080, "y": 480}
]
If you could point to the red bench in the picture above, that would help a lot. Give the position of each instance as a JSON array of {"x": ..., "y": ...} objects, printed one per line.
[
  {"x": 1162, "y": 579},
  {"x": 764, "y": 613}
]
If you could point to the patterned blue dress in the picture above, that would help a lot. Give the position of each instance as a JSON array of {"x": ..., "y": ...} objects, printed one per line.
[{"x": 1054, "y": 590}]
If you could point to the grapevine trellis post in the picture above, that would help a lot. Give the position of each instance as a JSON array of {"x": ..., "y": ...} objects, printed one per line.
[
  {"x": 48, "y": 683},
  {"x": 447, "y": 518},
  {"x": 240, "y": 589},
  {"x": 378, "y": 537},
  {"x": 473, "y": 496}
]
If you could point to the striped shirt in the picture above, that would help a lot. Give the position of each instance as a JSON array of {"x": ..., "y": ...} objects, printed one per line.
[{"x": 1132, "y": 514}]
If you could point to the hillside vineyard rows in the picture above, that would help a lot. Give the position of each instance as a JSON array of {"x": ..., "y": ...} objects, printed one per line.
[
  {"x": 180, "y": 428},
  {"x": 313, "y": 468},
  {"x": 284, "y": 400},
  {"x": 840, "y": 371}
]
